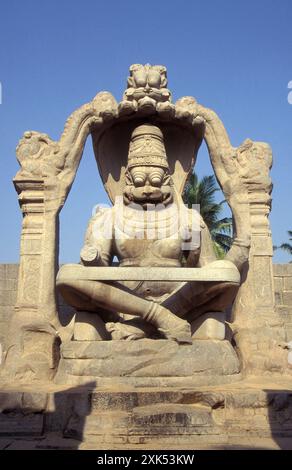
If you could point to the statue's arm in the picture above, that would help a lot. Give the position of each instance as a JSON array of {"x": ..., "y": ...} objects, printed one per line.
[
  {"x": 202, "y": 251},
  {"x": 204, "y": 254},
  {"x": 97, "y": 249}
]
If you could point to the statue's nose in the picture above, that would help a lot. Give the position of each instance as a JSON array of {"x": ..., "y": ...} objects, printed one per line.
[
  {"x": 147, "y": 88},
  {"x": 147, "y": 190}
]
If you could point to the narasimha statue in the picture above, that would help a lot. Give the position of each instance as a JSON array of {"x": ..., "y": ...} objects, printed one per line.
[{"x": 148, "y": 227}]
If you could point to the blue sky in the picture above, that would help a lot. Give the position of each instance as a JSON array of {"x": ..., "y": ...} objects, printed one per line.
[{"x": 233, "y": 56}]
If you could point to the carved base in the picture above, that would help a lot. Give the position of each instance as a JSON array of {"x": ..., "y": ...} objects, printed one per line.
[{"x": 147, "y": 362}]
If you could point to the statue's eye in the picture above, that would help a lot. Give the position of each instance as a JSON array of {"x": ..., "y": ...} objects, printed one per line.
[
  {"x": 156, "y": 179},
  {"x": 139, "y": 179}
]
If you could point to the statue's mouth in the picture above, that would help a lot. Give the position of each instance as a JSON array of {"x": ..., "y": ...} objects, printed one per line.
[
  {"x": 147, "y": 203},
  {"x": 149, "y": 200}
]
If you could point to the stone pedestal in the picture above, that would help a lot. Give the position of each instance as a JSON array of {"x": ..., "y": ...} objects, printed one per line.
[{"x": 147, "y": 362}]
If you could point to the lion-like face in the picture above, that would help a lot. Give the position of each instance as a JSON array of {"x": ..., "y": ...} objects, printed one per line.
[{"x": 148, "y": 185}]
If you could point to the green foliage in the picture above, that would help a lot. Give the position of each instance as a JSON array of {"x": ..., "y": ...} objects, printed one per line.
[
  {"x": 287, "y": 246},
  {"x": 203, "y": 193}
]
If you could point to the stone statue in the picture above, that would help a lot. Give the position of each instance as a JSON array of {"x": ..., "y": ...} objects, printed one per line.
[
  {"x": 167, "y": 283},
  {"x": 150, "y": 228}
]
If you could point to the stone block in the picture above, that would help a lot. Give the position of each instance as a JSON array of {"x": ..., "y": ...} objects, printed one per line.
[
  {"x": 288, "y": 283},
  {"x": 6, "y": 313},
  {"x": 10, "y": 401},
  {"x": 17, "y": 424},
  {"x": 112, "y": 422},
  {"x": 8, "y": 284},
  {"x": 279, "y": 284},
  {"x": 34, "y": 401},
  {"x": 249, "y": 400},
  {"x": 4, "y": 326},
  {"x": 7, "y": 298},
  {"x": 287, "y": 298},
  {"x": 147, "y": 358},
  {"x": 127, "y": 400},
  {"x": 5, "y": 443},
  {"x": 12, "y": 271},
  {"x": 284, "y": 310},
  {"x": 165, "y": 415},
  {"x": 288, "y": 330},
  {"x": 282, "y": 269},
  {"x": 2, "y": 271},
  {"x": 278, "y": 298}
]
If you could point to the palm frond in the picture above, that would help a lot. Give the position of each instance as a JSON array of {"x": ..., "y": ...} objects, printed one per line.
[
  {"x": 286, "y": 247},
  {"x": 202, "y": 192}
]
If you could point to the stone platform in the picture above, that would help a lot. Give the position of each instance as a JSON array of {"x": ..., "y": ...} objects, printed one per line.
[
  {"x": 254, "y": 413},
  {"x": 147, "y": 362}
]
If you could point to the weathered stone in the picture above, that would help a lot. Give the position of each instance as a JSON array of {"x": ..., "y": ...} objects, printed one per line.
[
  {"x": 12, "y": 271},
  {"x": 288, "y": 283},
  {"x": 278, "y": 298},
  {"x": 6, "y": 313},
  {"x": 8, "y": 284},
  {"x": 285, "y": 311},
  {"x": 152, "y": 358},
  {"x": 209, "y": 326},
  {"x": 157, "y": 416},
  {"x": 10, "y": 401},
  {"x": 89, "y": 327},
  {"x": 282, "y": 270},
  {"x": 279, "y": 284},
  {"x": 165, "y": 415},
  {"x": 221, "y": 271},
  {"x": 289, "y": 333},
  {"x": 287, "y": 297},
  {"x": 17, "y": 424},
  {"x": 7, "y": 298},
  {"x": 34, "y": 402}
]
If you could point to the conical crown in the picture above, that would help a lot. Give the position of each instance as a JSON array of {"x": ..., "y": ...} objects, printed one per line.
[{"x": 147, "y": 147}]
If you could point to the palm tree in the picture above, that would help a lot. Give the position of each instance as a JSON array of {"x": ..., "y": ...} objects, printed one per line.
[
  {"x": 287, "y": 246},
  {"x": 203, "y": 193}
]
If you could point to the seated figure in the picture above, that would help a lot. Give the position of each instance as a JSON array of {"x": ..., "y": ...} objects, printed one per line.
[{"x": 149, "y": 226}]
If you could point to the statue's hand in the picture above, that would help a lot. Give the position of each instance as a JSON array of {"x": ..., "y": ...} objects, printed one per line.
[{"x": 89, "y": 255}]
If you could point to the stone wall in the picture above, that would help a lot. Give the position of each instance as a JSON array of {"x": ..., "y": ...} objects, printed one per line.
[
  {"x": 283, "y": 295},
  {"x": 8, "y": 289}
]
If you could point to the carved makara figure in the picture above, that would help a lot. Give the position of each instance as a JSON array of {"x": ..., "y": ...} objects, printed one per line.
[{"x": 149, "y": 227}]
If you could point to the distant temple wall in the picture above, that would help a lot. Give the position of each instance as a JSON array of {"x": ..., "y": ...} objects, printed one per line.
[
  {"x": 8, "y": 290},
  {"x": 283, "y": 295}
]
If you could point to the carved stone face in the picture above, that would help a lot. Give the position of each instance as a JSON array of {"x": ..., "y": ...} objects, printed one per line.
[
  {"x": 148, "y": 185},
  {"x": 147, "y": 80}
]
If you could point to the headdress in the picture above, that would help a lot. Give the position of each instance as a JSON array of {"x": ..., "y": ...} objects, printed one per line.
[{"x": 147, "y": 147}]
